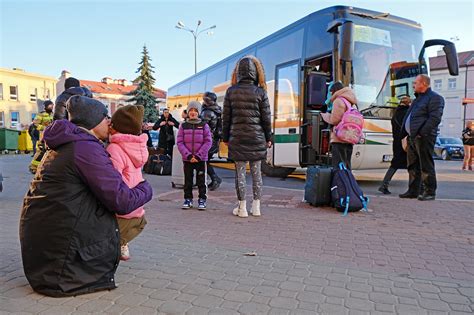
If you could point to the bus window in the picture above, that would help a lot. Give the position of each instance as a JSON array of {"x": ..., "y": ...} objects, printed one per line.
[
  {"x": 197, "y": 88},
  {"x": 290, "y": 47},
  {"x": 287, "y": 94},
  {"x": 216, "y": 77},
  {"x": 384, "y": 66}
]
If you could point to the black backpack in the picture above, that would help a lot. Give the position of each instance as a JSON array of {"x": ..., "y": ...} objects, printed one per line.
[{"x": 345, "y": 192}]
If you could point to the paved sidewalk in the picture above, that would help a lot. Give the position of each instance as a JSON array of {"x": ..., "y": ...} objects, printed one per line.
[{"x": 405, "y": 257}]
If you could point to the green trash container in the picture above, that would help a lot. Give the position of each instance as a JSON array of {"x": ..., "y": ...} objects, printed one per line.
[{"x": 8, "y": 139}]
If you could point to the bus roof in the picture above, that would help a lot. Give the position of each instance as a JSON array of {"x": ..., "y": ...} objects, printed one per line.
[{"x": 338, "y": 11}]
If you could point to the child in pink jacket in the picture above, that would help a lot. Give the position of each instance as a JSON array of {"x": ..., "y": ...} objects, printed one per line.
[{"x": 128, "y": 152}]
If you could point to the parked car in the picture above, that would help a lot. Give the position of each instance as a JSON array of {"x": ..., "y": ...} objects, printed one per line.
[{"x": 448, "y": 147}]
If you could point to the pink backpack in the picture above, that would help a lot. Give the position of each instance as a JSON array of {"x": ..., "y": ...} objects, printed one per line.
[{"x": 350, "y": 127}]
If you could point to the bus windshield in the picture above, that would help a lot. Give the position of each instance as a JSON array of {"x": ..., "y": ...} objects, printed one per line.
[{"x": 384, "y": 66}]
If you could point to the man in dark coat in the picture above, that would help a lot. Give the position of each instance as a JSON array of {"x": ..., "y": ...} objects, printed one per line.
[
  {"x": 421, "y": 126},
  {"x": 212, "y": 115},
  {"x": 69, "y": 235},
  {"x": 246, "y": 128},
  {"x": 165, "y": 124},
  {"x": 399, "y": 160},
  {"x": 72, "y": 86}
]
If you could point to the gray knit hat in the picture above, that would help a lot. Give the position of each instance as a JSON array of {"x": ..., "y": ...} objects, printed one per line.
[
  {"x": 85, "y": 111},
  {"x": 195, "y": 105}
]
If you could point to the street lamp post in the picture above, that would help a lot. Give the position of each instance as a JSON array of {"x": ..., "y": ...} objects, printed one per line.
[{"x": 195, "y": 34}]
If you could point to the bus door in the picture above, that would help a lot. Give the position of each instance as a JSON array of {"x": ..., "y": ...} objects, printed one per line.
[{"x": 286, "y": 115}]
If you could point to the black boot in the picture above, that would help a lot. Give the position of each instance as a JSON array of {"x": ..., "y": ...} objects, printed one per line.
[
  {"x": 215, "y": 183},
  {"x": 408, "y": 195},
  {"x": 384, "y": 190}
]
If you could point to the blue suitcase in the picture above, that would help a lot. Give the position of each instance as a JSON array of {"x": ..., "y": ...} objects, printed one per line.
[{"x": 317, "y": 189}]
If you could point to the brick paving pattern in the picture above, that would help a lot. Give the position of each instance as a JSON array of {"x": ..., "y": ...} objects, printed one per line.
[{"x": 404, "y": 257}]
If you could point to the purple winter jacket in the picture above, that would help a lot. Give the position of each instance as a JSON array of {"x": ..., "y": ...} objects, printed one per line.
[
  {"x": 69, "y": 235},
  {"x": 194, "y": 139}
]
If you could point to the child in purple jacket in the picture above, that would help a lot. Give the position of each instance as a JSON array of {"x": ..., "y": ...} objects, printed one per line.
[{"x": 194, "y": 142}]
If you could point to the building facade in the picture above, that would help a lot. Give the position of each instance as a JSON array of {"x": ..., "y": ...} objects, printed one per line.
[
  {"x": 22, "y": 95},
  {"x": 112, "y": 92},
  {"x": 457, "y": 91}
]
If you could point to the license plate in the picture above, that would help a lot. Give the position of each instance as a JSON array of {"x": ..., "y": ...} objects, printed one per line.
[{"x": 387, "y": 158}]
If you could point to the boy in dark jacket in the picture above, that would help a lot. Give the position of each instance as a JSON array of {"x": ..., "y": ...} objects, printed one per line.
[
  {"x": 194, "y": 142},
  {"x": 212, "y": 114}
]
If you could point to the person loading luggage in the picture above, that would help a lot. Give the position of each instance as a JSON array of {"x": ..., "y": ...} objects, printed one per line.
[{"x": 341, "y": 151}]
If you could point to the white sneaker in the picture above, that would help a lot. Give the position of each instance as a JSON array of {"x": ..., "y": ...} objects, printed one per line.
[
  {"x": 124, "y": 252},
  {"x": 255, "y": 211},
  {"x": 241, "y": 210}
]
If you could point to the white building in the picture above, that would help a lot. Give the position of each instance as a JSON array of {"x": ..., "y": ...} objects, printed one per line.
[{"x": 457, "y": 91}]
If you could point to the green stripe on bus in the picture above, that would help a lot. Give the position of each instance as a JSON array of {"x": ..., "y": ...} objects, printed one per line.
[{"x": 287, "y": 138}]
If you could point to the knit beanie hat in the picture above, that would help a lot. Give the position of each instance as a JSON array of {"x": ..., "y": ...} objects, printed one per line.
[
  {"x": 47, "y": 103},
  {"x": 128, "y": 119},
  {"x": 71, "y": 82},
  {"x": 85, "y": 111},
  {"x": 194, "y": 104}
]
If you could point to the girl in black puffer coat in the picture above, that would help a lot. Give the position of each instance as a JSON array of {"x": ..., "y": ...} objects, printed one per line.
[{"x": 246, "y": 128}]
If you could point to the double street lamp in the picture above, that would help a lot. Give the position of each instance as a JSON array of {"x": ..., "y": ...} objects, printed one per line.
[{"x": 195, "y": 34}]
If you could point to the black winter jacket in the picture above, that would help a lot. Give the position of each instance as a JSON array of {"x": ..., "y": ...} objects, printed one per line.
[
  {"x": 468, "y": 136},
  {"x": 399, "y": 160},
  {"x": 60, "y": 111},
  {"x": 166, "y": 132},
  {"x": 426, "y": 112},
  {"x": 212, "y": 115},
  {"x": 246, "y": 119}
]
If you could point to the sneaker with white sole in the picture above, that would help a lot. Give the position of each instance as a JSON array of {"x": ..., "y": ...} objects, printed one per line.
[
  {"x": 188, "y": 203},
  {"x": 124, "y": 252},
  {"x": 201, "y": 204}
]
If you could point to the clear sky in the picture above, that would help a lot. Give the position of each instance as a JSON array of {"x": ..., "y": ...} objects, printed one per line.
[{"x": 94, "y": 39}]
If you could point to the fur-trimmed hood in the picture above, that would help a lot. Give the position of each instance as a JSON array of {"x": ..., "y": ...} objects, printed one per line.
[{"x": 249, "y": 69}]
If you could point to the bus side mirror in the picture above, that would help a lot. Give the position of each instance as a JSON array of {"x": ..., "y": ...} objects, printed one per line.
[
  {"x": 451, "y": 58},
  {"x": 450, "y": 51},
  {"x": 346, "y": 44},
  {"x": 345, "y": 29}
]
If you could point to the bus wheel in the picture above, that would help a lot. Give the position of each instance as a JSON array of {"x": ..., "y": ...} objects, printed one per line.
[{"x": 276, "y": 171}]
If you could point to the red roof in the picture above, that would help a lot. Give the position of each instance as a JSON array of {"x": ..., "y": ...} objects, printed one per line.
[
  {"x": 103, "y": 88},
  {"x": 465, "y": 58}
]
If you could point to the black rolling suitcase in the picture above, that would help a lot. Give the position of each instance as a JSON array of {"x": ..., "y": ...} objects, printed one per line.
[{"x": 317, "y": 189}]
